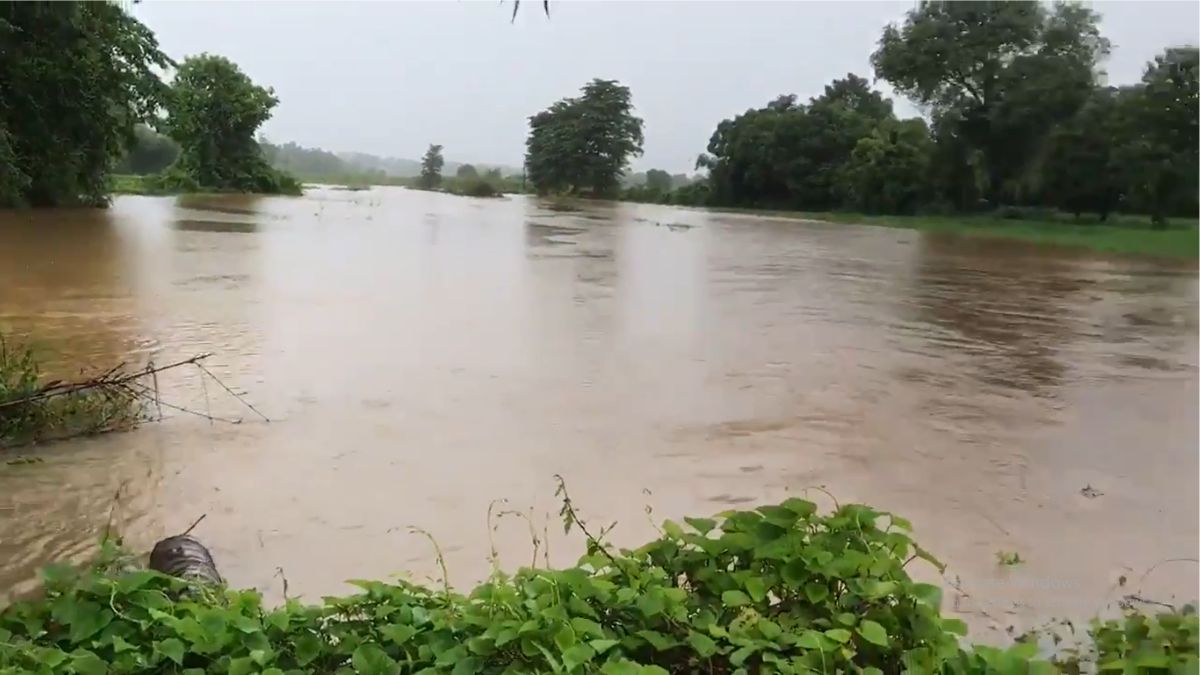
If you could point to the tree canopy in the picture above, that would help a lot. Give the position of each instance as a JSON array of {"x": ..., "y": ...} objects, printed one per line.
[
  {"x": 1004, "y": 73},
  {"x": 1158, "y": 131},
  {"x": 1015, "y": 116},
  {"x": 214, "y": 111},
  {"x": 787, "y": 154},
  {"x": 75, "y": 77},
  {"x": 583, "y": 144},
  {"x": 431, "y": 167}
]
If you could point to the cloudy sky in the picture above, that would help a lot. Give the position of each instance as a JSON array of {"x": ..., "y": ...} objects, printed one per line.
[{"x": 391, "y": 77}]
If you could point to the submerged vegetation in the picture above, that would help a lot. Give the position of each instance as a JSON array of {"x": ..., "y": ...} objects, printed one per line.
[
  {"x": 1134, "y": 235},
  {"x": 781, "y": 589},
  {"x": 32, "y": 409},
  {"x": 35, "y": 409}
]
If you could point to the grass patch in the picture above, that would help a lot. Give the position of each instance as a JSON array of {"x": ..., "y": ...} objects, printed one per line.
[
  {"x": 174, "y": 182},
  {"x": 1125, "y": 234},
  {"x": 129, "y": 184}
]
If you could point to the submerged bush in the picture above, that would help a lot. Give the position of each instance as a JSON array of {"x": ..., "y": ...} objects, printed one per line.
[
  {"x": 778, "y": 589},
  {"x": 477, "y": 187},
  {"x": 33, "y": 410}
]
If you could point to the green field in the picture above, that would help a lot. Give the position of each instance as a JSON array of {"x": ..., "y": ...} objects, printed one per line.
[{"x": 1121, "y": 234}]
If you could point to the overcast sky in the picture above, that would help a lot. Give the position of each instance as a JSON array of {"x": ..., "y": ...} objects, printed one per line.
[{"x": 389, "y": 78}]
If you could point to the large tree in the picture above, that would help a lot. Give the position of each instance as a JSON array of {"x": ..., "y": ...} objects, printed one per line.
[
  {"x": 431, "y": 168},
  {"x": 75, "y": 77},
  {"x": 214, "y": 112},
  {"x": 1159, "y": 139},
  {"x": 584, "y": 144},
  {"x": 1004, "y": 72}
]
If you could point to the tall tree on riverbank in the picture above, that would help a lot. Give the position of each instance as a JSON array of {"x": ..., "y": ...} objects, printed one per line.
[
  {"x": 431, "y": 168},
  {"x": 583, "y": 144},
  {"x": 1004, "y": 73},
  {"x": 74, "y": 79},
  {"x": 1159, "y": 135},
  {"x": 214, "y": 111}
]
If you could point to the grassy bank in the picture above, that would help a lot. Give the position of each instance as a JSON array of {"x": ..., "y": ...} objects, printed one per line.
[
  {"x": 129, "y": 184},
  {"x": 1121, "y": 234},
  {"x": 781, "y": 589}
]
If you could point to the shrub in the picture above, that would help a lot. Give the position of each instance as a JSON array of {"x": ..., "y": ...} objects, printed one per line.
[
  {"x": 477, "y": 187},
  {"x": 32, "y": 410},
  {"x": 778, "y": 589}
]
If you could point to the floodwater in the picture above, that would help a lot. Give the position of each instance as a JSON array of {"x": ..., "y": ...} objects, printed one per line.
[{"x": 421, "y": 355}]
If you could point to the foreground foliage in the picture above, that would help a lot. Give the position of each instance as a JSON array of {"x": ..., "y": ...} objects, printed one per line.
[
  {"x": 781, "y": 589},
  {"x": 75, "y": 77}
]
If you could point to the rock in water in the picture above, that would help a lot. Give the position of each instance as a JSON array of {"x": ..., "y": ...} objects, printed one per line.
[{"x": 184, "y": 557}]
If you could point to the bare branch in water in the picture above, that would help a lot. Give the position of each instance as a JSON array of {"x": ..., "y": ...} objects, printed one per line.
[
  {"x": 231, "y": 392},
  {"x": 193, "y": 525},
  {"x": 116, "y": 399},
  {"x": 114, "y": 377}
]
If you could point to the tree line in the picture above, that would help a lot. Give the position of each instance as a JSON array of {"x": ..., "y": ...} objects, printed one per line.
[
  {"x": 79, "y": 87},
  {"x": 1016, "y": 116}
]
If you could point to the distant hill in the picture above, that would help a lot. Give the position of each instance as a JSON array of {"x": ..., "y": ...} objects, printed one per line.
[
  {"x": 392, "y": 166},
  {"x": 316, "y": 163}
]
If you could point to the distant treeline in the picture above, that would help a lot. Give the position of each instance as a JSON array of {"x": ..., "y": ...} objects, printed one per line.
[{"x": 1017, "y": 119}]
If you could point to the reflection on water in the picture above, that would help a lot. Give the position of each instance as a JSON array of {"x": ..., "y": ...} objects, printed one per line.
[{"x": 421, "y": 355}]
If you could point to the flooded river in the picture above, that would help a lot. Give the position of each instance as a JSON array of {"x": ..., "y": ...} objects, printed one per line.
[{"x": 421, "y": 355}]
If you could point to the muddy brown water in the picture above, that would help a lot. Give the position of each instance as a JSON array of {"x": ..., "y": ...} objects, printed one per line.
[{"x": 421, "y": 355}]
